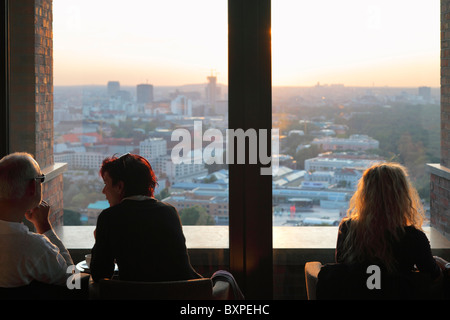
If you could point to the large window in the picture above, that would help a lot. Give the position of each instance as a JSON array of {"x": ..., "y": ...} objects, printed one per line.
[
  {"x": 134, "y": 77},
  {"x": 354, "y": 83}
]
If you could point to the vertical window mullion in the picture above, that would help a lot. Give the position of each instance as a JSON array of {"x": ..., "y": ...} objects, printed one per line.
[
  {"x": 250, "y": 107},
  {"x": 4, "y": 94}
]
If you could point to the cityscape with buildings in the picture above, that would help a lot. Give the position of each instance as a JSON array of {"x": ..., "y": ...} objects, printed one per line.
[{"x": 321, "y": 158}]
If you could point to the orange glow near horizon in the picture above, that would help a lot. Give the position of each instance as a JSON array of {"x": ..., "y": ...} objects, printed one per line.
[{"x": 350, "y": 42}]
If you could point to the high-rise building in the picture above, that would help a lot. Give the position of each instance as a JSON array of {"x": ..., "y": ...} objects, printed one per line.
[
  {"x": 425, "y": 93},
  {"x": 211, "y": 90},
  {"x": 113, "y": 88},
  {"x": 153, "y": 148},
  {"x": 212, "y": 94},
  {"x": 144, "y": 93},
  {"x": 356, "y": 142},
  {"x": 181, "y": 105}
]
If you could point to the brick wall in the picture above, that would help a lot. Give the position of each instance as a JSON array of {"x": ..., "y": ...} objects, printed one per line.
[
  {"x": 440, "y": 195},
  {"x": 31, "y": 91},
  {"x": 445, "y": 83},
  {"x": 43, "y": 57},
  {"x": 440, "y": 173}
]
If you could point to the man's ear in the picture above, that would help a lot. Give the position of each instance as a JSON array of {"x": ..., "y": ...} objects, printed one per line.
[{"x": 31, "y": 188}]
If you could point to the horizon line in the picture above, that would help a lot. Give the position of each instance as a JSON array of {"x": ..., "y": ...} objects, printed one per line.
[{"x": 273, "y": 86}]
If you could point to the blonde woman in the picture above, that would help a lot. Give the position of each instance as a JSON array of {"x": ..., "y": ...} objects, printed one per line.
[{"x": 383, "y": 225}]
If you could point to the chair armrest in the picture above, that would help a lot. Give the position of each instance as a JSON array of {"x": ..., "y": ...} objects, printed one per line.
[
  {"x": 83, "y": 278},
  {"x": 80, "y": 289},
  {"x": 221, "y": 291},
  {"x": 312, "y": 270}
]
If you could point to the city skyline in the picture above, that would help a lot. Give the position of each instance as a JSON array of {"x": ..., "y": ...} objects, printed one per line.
[{"x": 373, "y": 44}]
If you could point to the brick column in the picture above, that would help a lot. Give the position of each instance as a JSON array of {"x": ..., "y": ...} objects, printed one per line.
[
  {"x": 43, "y": 57},
  {"x": 445, "y": 83},
  {"x": 31, "y": 93},
  {"x": 440, "y": 173}
]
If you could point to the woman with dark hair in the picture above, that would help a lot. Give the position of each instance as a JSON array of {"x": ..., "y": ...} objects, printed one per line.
[
  {"x": 384, "y": 225},
  {"x": 141, "y": 234}
]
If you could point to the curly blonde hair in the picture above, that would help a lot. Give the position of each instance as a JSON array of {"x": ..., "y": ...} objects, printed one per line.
[{"x": 384, "y": 203}]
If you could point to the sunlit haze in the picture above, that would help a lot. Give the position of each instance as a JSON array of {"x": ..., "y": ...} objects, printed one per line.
[{"x": 176, "y": 42}]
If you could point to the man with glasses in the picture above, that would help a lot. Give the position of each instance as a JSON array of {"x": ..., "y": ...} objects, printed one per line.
[{"x": 27, "y": 256}]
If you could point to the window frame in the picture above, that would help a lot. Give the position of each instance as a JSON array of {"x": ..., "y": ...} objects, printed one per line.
[
  {"x": 250, "y": 193},
  {"x": 4, "y": 88}
]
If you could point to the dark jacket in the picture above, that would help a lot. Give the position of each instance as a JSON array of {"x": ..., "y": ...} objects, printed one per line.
[
  {"x": 146, "y": 240},
  {"x": 410, "y": 251}
]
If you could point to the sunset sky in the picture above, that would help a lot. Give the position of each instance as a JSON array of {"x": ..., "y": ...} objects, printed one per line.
[{"x": 176, "y": 42}]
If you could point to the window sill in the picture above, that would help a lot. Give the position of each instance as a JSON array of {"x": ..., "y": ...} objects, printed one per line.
[
  {"x": 54, "y": 170},
  {"x": 438, "y": 170},
  {"x": 216, "y": 237}
]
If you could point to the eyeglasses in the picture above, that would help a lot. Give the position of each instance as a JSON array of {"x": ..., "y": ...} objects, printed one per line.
[{"x": 40, "y": 178}]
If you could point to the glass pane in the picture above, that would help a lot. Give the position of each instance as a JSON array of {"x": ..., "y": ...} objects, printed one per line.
[
  {"x": 130, "y": 76},
  {"x": 354, "y": 82}
]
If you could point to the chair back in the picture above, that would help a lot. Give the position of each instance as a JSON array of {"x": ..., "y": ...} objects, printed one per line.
[
  {"x": 195, "y": 289},
  {"x": 43, "y": 291},
  {"x": 341, "y": 281}
]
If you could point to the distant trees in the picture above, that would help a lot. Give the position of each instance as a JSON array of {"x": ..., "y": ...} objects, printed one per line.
[
  {"x": 389, "y": 125},
  {"x": 195, "y": 215},
  {"x": 71, "y": 218},
  {"x": 127, "y": 128},
  {"x": 408, "y": 134},
  {"x": 290, "y": 144},
  {"x": 79, "y": 195},
  {"x": 307, "y": 153},
  {"x": 163, "y": 194}
]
